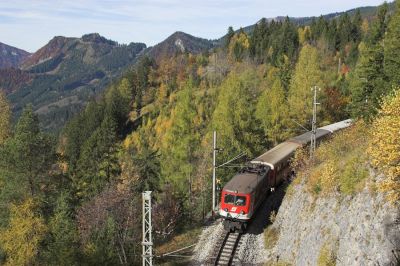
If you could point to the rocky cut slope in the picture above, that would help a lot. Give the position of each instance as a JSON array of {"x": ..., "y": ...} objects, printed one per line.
[{"x": 354, "y": 230}]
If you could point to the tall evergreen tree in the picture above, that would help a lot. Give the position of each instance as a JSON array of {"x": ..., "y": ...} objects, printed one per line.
[
  {"x": 229, "y": 36},
  {"x": 63, "y": 244},
  {"x": 392, "y": 48},
  {"x": 98, "y": 162},
  {"x": 356, "y": 31},
  {"x": 29, "y": 155},
  {"x": 367, "y": 82},
  {"x": 379, "y": 26}
]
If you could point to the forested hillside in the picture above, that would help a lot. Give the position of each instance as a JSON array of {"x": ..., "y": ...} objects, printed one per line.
[
  {"x": 61, "y": 77},
  {"x": 77, "y": 199}
]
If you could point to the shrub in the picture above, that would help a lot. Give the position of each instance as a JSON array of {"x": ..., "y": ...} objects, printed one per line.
[
  {"x": 272, "y": 216},
  {"x": 326, "y": 256},
  {"x": 353, "y": 173},
  {"x": 271, "y": 236}
]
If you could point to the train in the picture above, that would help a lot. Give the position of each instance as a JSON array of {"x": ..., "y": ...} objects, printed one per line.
[{"x": 247, "y": 190}]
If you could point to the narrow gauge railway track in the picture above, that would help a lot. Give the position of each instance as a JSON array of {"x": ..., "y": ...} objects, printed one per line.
[{"x": 227, "y": 249}]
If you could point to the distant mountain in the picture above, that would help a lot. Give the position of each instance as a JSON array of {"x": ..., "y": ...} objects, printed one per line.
[
  {"x": 179, "y": 42},
  {"x": 11, "y": 56},
  {"x": 63, "y": 75}
]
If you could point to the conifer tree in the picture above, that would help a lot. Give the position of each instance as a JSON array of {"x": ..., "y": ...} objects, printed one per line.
[
  {"x": 392, "y": 48},
  {"x": 367, "y": 82},
  {"x": 29, "y": 155},
  {"x": 239, "y": 45},
  {"x": 356, "y": 31},
  {"x": 98, "y": 162},
  {"x": 229, "y": 36},
  {"x": 379, "y": 26},
  {"x": 63, "y": 245}
]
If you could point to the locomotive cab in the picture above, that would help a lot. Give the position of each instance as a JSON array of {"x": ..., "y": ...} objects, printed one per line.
[{"x": 241, "y": 196}]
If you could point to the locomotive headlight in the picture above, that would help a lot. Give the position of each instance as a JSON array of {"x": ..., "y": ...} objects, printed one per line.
[
  {"x": 242, "y": 212},
  {"x": 226, "y": 209}
]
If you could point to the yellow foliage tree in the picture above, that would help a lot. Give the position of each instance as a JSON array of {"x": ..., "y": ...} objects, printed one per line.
[
  {"x": 21, "y": 239},
  {"x": 5, "y": 115},
  {"x": 239, "y": 45},
  {"x": 384, "y": 146},
  {"x": 307, "y": 74}
]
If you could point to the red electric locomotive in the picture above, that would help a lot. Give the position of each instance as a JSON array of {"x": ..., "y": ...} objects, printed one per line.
[{"x": 242, "y": 195}]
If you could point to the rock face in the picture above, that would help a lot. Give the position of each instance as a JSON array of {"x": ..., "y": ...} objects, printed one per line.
[
  {"x": 358, "y": 230},
  {"x": 179, "y": 42}
]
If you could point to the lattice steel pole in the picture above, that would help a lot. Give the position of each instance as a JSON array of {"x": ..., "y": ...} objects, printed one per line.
[{"x": 147, "y": 243}]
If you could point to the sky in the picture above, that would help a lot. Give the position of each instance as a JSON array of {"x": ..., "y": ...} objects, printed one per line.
[{"x": 30, "y": 24}]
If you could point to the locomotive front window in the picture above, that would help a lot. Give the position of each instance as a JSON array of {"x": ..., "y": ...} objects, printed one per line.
[
  {"x": 235, "y": 200},
  {"x": 229, "y": 199},
  {"x": 240, "y": 201}
]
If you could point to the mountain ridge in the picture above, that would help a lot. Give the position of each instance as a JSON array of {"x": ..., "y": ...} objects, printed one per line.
[
  {"x": 11, "y": 56},
  {"x": 66, "y": 68}
]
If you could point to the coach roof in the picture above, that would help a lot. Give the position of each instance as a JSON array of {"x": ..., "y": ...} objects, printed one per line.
[{"x": 277, "y": 154}]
